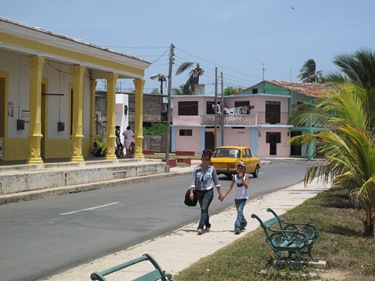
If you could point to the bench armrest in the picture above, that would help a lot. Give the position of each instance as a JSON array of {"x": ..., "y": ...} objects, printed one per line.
[
  {"x": 157, "y": 272},
  {"x": 310, "y": 229}
]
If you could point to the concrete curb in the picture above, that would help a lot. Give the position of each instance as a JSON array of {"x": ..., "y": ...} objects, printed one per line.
[{"x": 38, "y": 194}]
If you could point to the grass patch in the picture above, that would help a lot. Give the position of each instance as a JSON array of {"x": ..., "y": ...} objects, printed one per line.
[{"x": 341, "y": 244}]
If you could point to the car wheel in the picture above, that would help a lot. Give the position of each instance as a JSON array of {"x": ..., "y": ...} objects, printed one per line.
[{"x": 256, "y": 172}]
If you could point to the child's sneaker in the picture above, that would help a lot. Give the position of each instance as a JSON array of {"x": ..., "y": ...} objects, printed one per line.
[{"x": 237, "y": 230}]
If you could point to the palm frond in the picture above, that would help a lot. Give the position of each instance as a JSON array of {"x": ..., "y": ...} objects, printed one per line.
[{"x": 183, "y": 67}]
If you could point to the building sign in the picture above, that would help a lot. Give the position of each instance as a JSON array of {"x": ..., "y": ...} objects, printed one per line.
[
  {"x": 10, "y": 109},
  {"x": 25, "y": 116}
]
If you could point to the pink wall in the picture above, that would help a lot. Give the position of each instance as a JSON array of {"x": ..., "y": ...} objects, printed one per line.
[
  {"x": 259, "y": 102},
  {"x": 237, "y": 137},
  {"x": 231, "y": 136},
  {"x": 283, "y": 149},
  {"x": 188, "y": 143},
  {"x": 189, "y": 120}
]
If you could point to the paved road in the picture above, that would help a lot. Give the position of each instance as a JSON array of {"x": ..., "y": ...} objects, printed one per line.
[{"x": 42, "y": 237}]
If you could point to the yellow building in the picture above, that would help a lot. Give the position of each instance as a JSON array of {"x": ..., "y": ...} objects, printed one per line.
[{"x": 47, "y": 94}]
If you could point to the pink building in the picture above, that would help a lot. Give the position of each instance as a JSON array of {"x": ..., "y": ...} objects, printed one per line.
[{"x": 256, "y": 117}]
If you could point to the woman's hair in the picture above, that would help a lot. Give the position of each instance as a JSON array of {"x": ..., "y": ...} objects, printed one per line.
[{"x": 207, "y": 152}]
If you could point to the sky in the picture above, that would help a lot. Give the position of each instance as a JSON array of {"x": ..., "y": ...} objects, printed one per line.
[{"x": 246, "y": 40}]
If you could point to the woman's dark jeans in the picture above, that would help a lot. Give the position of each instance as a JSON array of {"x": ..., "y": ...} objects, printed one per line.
[{"x": 204, "y": 198}]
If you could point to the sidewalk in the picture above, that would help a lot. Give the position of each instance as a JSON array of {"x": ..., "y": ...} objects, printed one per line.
[{"x": 178, "y": 250}]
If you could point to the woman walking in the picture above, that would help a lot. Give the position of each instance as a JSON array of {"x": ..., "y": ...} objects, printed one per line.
[{"x": 203, "y": 179}]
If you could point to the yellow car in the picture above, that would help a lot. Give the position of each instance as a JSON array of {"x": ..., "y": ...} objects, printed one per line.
[{"x": 226, "y": 158}]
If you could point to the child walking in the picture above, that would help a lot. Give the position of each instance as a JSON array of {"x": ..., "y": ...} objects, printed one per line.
[{"x": 241, "y": 183}]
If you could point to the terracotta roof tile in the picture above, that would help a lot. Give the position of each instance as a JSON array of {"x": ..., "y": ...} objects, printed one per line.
[{"x": 308, "y": 89}]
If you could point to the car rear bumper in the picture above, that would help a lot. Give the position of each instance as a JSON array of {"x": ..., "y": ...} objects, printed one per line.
[{"x": 225, "y": 170}]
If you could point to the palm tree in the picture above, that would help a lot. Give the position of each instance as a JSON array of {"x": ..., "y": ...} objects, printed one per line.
[
  {"x": 179, "y": 91},
  {"x": 309, "y": 73},
  {"x": 344, "y": 140},
  {"x": 359, "y": 69},
  {"x": 194, "y": 75}
]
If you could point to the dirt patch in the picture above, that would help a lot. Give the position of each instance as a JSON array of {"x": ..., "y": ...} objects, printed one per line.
[{"x": 337, "y": 275}]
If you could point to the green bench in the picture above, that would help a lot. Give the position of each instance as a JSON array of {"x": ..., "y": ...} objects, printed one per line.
[
  {"x": 294, "y": 239},
  {"x": 157, "y": 274}
]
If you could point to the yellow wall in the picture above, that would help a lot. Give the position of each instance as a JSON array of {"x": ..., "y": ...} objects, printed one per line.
[
  {"x": 86, "y": 148},
  {"x": 44, "y": 48},
  {"x": 58, "y": 148},
  {"x": 16, "y": 149},
  {"x": 51, "y": 146}
]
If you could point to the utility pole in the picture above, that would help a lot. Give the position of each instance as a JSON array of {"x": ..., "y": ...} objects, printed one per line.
[
  {"x": 222, "y": 111},
  {"x": 215, "y": 131},
  {"x": 167, "y": 145},
  {"x": 263, "y": 69}
]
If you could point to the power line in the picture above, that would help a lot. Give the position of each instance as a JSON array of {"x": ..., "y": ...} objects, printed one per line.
[
  {"x": 236, "y": 71},
  {"x": 207, "y": 65}
]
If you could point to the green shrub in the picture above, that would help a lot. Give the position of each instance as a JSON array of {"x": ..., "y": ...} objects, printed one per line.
[
  {"x": 101, "y": 143},
  {"x": 156, "y": 129}
]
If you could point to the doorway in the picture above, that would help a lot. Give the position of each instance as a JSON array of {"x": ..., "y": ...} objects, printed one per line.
[
  {"x": 209, "y": 140},
  {"x": 273, "y": 139},
  {"x": 295, "y": 150}
]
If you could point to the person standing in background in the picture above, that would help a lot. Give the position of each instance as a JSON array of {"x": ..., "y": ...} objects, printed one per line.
[
  {"x": 119, "y": 147},
  {"x": 128, "y": 138}
]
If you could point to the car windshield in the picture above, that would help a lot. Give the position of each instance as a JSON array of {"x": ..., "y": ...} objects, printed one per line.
[{"x": 227, "y": 152}]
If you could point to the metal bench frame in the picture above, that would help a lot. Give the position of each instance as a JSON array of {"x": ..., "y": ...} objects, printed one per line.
[
  {"x": 157, "y": 274},
  {"x": 295, "y": 239}
]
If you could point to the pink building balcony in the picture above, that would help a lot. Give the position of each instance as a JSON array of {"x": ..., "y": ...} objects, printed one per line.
[{"x": 246, "y": 119}]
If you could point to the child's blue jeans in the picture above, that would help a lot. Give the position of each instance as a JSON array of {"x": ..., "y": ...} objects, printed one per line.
[{"x": 240, "y": 222}]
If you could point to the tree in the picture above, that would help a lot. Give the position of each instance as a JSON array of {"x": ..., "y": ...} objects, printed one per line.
[
  {"x": 179, "y": 91},
  {"x": 345, "y": 141},
  {"x": 358, "y": 68},
  {"x": 309, "y": 73},
  {"x": 155, "y": 129},
  {"x": 194, "y": 75},
  {"x": 231, "y": 90}
]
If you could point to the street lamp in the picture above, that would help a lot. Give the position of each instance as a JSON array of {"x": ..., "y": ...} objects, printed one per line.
[{"x": 161, "y": 78}]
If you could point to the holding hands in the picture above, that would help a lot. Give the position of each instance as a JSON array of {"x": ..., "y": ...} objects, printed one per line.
[{"x": 221, "y": 198}]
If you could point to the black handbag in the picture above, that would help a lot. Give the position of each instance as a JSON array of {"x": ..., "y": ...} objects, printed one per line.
[{"x": 188, "y": 201}]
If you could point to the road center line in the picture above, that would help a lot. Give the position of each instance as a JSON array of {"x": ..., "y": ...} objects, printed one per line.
[{"x": 89, "y": 209}]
